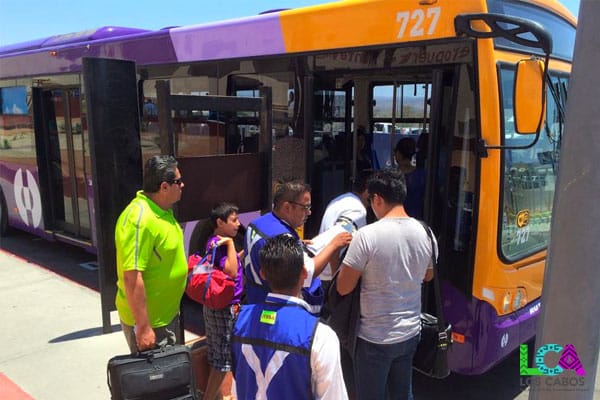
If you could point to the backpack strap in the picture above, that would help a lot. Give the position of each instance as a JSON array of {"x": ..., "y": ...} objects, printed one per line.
[{"x": 436, "y": 281}]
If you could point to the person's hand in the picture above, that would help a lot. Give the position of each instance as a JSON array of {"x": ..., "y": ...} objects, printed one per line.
[
  {"x": 224, "y": 240},
  {"x": 342, "y": 239},
  {"x": 428, "y": 275},
  {"x": 145, "y": 338},
  {"x": 241, "y": 254},
  {"x": 307, "y": 241}
]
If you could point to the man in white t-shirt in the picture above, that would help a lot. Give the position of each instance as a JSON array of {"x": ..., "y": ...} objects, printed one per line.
[
  {"x": 392, "y": 257},
  {"x": 347, "y": 208}
]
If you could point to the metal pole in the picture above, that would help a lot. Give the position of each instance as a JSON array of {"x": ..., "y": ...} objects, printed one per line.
[{"x": 571, "y": 294}]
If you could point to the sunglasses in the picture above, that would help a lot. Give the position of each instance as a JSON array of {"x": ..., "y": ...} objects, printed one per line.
[
  {"x": 176, "y": 181},
  {"x": 306, "y": 207}
]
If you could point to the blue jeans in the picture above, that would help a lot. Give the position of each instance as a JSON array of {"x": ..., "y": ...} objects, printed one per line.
[{"x": 382, "y": 369}]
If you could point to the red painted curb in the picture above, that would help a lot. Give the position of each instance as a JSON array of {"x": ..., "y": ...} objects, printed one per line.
[{"x": 10, "y": 391}]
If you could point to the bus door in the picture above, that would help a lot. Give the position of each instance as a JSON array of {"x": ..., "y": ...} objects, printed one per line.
[
  {"x": 435, "y": 109},
  {"x": 332, "y": 146},
  {"x": 451, "y": 194},
  {"x": 61, "y": 153}
]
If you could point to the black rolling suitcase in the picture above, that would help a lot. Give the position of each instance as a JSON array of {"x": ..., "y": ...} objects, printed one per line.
[{"x": 159, "y": 374}]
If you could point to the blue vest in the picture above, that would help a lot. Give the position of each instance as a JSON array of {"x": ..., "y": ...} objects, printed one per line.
[
  {"x": 261, "y": 229},
  {"x": 271, "y": 346}
]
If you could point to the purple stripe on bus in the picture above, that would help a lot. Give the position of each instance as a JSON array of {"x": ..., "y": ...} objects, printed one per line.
[
  {"x": 104, "y": 32},
  {"x": 254, "y": 36},
  {"x": 488, "y": 337},
  {"x": 22, "y": 46},
  {"x": 91, "y": 34},
  {"x": 68, "y": 58}
]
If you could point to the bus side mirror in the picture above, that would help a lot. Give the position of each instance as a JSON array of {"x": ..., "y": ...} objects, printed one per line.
[{"x": 530, "y": 100}]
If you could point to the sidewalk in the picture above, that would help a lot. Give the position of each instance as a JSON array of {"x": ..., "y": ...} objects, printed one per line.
[{"x": 53, "y": 346}]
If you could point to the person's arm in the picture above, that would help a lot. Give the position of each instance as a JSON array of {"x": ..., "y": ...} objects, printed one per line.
[
  {"x": 428, "y": 273},
  {"x": 252, "y": 269},
  {"x": 327, "y": 380},
  {"x": 347, "y": 279},
  {"x": 135, "y": 292},
  {"x": 321, "y": 259},
  {"x": 230, "y": 266},
  {"x": 434, "y": 248},
  {"x": 334, "y": 262}
]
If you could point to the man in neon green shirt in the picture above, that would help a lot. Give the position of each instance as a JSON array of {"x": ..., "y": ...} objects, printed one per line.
[{"x": 151, "y": 261}]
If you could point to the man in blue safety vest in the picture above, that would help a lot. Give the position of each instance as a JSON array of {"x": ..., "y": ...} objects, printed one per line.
[
  {"x": 280, "y": 350},
  {"x": 291, "y": 208}
]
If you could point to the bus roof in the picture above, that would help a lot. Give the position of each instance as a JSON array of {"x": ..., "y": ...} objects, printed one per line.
[
  {"x": 71, "y": 38},
  {"x": 343, "y": 24}
]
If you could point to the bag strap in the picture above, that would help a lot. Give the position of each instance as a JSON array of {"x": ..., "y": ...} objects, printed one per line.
[
  {"x": 212, "y": 258},
  {"x": 260, "y": 233},
  {"x": 201, "y": 261},
  {"x": 441, "y": 322},
  {"x": 343, "y": 218},
  {"x": 267, "y": 237}
]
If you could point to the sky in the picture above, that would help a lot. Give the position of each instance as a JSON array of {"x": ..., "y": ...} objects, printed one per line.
[{"x": 23, "y": 20}]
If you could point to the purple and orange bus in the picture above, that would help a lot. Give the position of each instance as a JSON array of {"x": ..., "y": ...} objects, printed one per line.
[{"x": 247, "y": 102}]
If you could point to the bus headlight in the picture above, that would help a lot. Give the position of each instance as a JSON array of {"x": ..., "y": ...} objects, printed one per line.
[
  {"x": 506, "y": 303},
  {"x": 520, "y": 299}
]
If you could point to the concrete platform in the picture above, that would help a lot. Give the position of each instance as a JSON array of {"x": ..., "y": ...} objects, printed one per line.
[{"x": 53, "y": 346}]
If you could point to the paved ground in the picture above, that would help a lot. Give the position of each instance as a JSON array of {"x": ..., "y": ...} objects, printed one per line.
[{"x": 54, "y": 348}]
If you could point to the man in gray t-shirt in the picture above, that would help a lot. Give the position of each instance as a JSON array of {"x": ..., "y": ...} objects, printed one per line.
[{"x": 393, "y": 258}]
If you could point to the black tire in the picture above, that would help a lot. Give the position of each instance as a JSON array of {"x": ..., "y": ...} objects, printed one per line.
[{"x": 3, "y": 215}]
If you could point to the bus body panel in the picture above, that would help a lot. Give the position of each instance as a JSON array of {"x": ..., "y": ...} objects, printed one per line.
[
  {"x": 20, "y": 185},
  {"x": 500, "y": 278},
  {"x": 488, "y": 337},
  {"x": 246, "y": 37},
  {"x": 363, "y": 23}
]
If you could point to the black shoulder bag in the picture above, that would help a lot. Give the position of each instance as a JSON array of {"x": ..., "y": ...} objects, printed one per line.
[
  {"x": 161, "y": 373},
  {"x": 431, "y": 357}
]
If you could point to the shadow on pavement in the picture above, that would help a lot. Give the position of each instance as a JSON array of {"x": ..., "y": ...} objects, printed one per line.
[
  {"x": 86, "y": 333},
  {"x": 500, "y": 383},
  {"x": 60, "y": 258},
  {"x": 73, "y": 263}
]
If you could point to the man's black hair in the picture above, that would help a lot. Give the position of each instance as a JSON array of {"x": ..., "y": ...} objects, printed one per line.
[
  {"x": 389, "y": 184},
  {"x": 159, "y": 169},
  {"x": 281, "y": 262}
]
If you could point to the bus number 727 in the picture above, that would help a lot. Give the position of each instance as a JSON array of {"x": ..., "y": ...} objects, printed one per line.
[{"x": 402, "y": 17}]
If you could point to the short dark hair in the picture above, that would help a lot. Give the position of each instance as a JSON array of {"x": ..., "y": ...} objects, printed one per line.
[
  {"x": 222, "y": 211},
  {"x": 281, "y": 262},
  {"x": 406, "y": 147},
  {"x": 389, "y": 184},
  {"x": 289, "y": 191},
  {"x": 159, "y": 169},
  {"x": 359, "y": 184}
]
